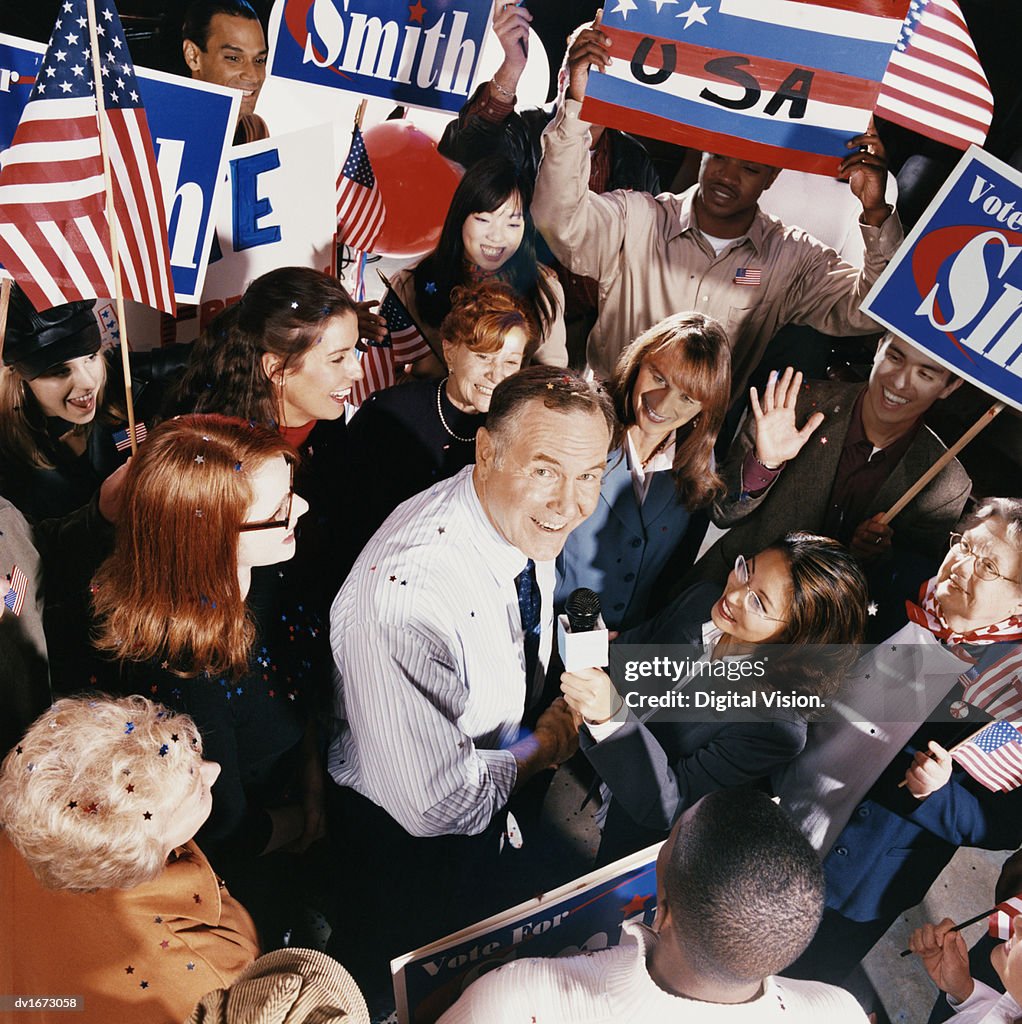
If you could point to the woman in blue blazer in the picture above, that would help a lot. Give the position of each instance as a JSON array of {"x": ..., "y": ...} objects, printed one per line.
[{"x": 670, "y": 390}]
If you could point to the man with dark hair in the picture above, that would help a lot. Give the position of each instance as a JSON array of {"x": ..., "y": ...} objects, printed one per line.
[
  {"x": 440, "y": 636},
  {"x": 223, "y": 43},
  {"x": 739, "y": 895},
  {"x": 710, "y": 248}
]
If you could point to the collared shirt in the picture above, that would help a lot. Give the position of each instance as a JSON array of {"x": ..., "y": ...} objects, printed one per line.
[
  {"x": 651, "y": 260},
  {"x": 427, "y": 639},
  {"x": 642, "y": 475},
  {"x": 861, "y": 472}
]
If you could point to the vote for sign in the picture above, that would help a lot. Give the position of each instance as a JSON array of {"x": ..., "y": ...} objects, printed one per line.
[
  {"x": 782, "y": 82},
  {"x": 955, "y": 285}
]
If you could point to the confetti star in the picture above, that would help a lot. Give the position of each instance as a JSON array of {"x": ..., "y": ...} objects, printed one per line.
[
  {"x": 18, "y": 749},
  {"x": 190, "y": 965},
  {"x": 129, "y": 728},
  {"x": 404, "y": 583},
  {"x": 143, "y": 984},
  {"x": 823, "y": 440},
  {"x": 129, "y": 969},
  {"x": 871, "y": 608},
  {"x": 624, "y": 8},
  {"x": 441, "y": 530},
  {"x": 130, "y": 788},
  {"x": 72, "y": 804},
  {"x": 693, "y": 14},
  {"x": 173, "y": 737},
  {"x": 157, "y": 919},
  {"x": 431, "y": 287},
  {"x": 196, "y": 897},
  {"x": 200, "y": 459},
  {"x": 163, "y": 749},
  {"x": 294, "y": 305},
  {"x": 393, "y": 579},
  {"x": 93, "y": 808},
  {"x": 165, "y": 944},
  {"x": 148, "y": 816}
]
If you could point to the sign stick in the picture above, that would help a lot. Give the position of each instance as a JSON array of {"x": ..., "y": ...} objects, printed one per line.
[
  {"x": 984, "y": 421},
  {"x": 111, "y": 216},
  {"x": 5, "y": 302}
]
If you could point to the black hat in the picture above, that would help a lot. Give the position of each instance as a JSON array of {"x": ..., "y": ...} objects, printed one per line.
[{"x": 36, "y": 341}]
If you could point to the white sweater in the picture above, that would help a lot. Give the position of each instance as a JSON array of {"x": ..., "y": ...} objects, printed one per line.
[{"x": 613, "y": 985}]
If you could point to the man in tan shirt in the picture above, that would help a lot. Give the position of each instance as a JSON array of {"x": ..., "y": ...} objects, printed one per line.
[{"x": 708, "y": 249}]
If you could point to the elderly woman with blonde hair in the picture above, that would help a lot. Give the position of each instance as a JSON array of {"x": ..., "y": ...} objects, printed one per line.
[{"x": 107, "y": 899}]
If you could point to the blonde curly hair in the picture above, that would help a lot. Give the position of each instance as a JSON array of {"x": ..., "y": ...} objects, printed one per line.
[{"x": 87, "y": 794}]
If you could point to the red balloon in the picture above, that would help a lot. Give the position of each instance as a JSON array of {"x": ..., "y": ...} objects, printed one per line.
[{"x": 416, "y": 183}]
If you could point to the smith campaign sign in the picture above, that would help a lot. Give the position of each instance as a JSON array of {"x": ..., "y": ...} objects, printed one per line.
[
  {"x": 191, "y": 124},
  {"x": 418, "y": 54},
  {"x": 955, "y": 285},
  {"x": 781, "y": 82}
]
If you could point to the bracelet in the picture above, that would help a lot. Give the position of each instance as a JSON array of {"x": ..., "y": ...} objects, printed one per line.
[
  {"x": 496, "y": 85},
  {"x": 763, "y": 465},
  {"x": 613, "y": 715}
]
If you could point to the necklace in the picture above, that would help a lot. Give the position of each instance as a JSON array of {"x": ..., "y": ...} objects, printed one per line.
[
  {"x": 656, "y": 451},
  {"x": 440, "y": 413}
]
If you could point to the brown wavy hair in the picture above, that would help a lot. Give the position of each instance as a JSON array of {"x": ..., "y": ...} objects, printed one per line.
[
  {"x": 697, "y": 355},
  {"x": 482, "y": 314},
  {"x": 281, "y": 313},
  {"x": 170, "y": 588}
]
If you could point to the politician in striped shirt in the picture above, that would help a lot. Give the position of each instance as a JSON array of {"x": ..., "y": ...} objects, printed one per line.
[{"x": 440, "y": 636}]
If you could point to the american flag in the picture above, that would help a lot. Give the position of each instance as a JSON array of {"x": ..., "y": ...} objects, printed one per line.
[
  {"x": 999, "y": 926},
  {"x": 935, "y": 84},
  {"x": 122, "y": 441},
  {"x": 747, "y": 275},
  {"x": 54, "y": 234},
  {"x": 404, "y": 344},
  {"x": 360, "y": 210},
  {"x": 14, "y": 599},
  {"x": 993, "y": 756},
  {"x": 995, "y": 683}
]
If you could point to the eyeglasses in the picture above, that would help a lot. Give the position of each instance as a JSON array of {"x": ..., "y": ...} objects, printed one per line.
[
  {"x": 984, "y": 568},
  {"x": 752, "y": 599},
  {"x": 276, "y": 523}
]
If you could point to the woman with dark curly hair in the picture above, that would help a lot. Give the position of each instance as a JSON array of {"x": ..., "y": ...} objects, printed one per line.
[
  {"x": 805, "y": 597},
  {"x": 488, "y": 235},
  {"x": 284, "y": 357}
]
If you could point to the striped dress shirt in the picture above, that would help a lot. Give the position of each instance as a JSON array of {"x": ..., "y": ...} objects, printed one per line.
[{"x": 427, "y": 639}]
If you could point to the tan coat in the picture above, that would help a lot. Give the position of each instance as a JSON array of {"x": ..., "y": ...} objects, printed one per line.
[{"x": 136, "y": 956}]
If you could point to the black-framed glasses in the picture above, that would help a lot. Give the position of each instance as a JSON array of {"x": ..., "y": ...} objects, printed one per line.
[
  {"x": 984, "y": 568},
  {"x": 752, "y": 599},
  {"x": 276, "y": 523}
]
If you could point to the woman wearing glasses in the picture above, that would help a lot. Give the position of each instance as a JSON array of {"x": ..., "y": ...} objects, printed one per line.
[
  {"x": 799, "y": 594},
  {"x": 206, "y": 501}
]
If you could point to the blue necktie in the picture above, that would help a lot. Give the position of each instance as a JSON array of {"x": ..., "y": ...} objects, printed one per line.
[{"x": 529, "y": 604}]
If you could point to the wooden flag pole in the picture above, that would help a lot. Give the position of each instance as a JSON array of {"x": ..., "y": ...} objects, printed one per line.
[
  {"x": 984, "y": 421},
  {"x": 111, "y": 216},
  {"x": 5, "y": 303},
  {"x": 959, "y": 927},
  {"x": 360, "y": 113}
]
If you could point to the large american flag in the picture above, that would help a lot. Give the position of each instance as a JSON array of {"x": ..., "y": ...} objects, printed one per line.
[
  {"x": 995, "y": 683},
  {"x": 993, "y": 756},
  {"x": 935, "y": 84},
  {"x": 54, "y": 233},
  {"x": 360, "y": 210}
]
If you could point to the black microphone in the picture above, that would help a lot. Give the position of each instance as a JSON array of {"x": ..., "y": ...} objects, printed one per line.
[
  {"x": 583, "y": 610},
  {"x": 582, "y": 636}
]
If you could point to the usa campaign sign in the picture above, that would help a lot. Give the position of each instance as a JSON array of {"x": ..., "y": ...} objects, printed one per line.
[
  {"x": 781, "y": 82},
  {"x": 955, "y": 285},
  {"x": 192, "y": 125},
  {"x": 421, "y": 54}
]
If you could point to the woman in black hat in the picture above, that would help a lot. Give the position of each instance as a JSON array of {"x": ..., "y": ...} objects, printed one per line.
[{"x": 63, "y": 419}]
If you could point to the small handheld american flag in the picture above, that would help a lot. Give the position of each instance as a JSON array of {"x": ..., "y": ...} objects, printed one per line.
[
  {"x": 993, "y": 756},
  {"x": 1004, "y": 914},
  {"x": 122, "y": 440},
  {"x": 14, "y": 599}
]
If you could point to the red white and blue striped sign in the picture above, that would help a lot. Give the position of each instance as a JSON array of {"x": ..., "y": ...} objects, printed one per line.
[{"x": 781, "y": 82}]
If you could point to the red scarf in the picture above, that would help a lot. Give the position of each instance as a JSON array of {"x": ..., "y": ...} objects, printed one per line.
[{"x": 928, "y": 615}]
